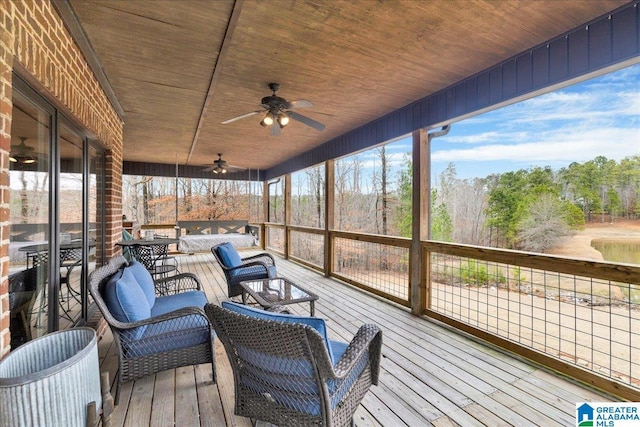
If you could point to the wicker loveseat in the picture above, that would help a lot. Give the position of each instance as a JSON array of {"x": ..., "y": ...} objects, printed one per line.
[
  {"x": 287, "y": 372},
  {"x": 152, "y": 332}
]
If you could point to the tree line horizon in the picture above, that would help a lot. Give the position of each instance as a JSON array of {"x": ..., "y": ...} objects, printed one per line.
[{"x": 529, "y": 209}]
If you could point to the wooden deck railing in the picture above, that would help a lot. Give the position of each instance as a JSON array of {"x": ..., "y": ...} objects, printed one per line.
[{"x": 577, "y": 316}]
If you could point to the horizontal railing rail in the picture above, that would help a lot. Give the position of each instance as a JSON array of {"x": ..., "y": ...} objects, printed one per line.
[{"x": 596, "y": 269}]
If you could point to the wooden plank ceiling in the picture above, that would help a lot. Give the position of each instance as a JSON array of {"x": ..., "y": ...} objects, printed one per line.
[{"x": 179, "y": 68}]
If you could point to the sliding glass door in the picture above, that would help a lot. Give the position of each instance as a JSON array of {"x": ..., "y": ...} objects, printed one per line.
[
  {"x": 56, "y": 186},
  {"x": 29, "y": 181}
]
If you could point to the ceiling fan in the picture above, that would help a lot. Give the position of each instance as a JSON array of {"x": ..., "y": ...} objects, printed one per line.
[
  {"x": 22, "y": 153},
  {"x": 221, "y": 166},
  {"x": 277, "y": 112}
]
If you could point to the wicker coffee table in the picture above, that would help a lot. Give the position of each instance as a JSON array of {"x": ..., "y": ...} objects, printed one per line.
[{"x": 277, "y": 291}]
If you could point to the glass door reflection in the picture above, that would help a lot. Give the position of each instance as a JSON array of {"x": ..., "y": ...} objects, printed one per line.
[
  {"x": 71, "y": 226},
  {"x": 29, "y": 216}
]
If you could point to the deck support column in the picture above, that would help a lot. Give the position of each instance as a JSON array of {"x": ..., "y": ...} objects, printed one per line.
[{"x": 418, "y": 265}]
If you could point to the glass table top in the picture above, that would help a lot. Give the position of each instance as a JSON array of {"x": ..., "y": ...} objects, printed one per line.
[{"x": 277, "y": 290}]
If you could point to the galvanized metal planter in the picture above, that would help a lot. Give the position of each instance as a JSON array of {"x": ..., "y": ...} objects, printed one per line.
[{"x": 50, "y": 381}]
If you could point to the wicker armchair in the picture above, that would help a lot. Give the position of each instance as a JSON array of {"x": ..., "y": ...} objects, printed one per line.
[
  {"x": 176, "y": 333},
  {"x": 284, "y": 373},
  {"x": 237, "y": 269}
]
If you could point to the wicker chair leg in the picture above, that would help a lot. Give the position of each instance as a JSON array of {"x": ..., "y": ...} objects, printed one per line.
[{"x": 116, "y": 400}]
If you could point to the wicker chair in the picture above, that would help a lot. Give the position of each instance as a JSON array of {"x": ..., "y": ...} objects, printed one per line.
[
  {"x": 236, "y": 269},
  {"x": 284, "y": 373},
  {"x": 178, "y": 337},
  {"x": 154, "y": 259}
]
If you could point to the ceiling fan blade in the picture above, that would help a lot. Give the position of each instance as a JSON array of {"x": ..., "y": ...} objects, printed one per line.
[
  {"x": 243, "y": 116},
  {"x": 306, "y": 120},
  {"x": 301, "y": 103},
  {"x": 232, "y": 168},
  {"x": 209, "y": 169}
]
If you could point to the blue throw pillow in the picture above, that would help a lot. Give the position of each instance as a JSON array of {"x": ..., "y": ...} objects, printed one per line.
[
  {"x": 144, "y": 279},
  {"x": 315, "y": 322},
  {"x": 229, "y": 256},
  {"x": 126, "y": 301}
]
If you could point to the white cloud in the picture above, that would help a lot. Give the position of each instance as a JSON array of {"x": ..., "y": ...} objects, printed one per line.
[
  {"x": 491, "y": 137},
  {"x": 578, "y": 145},
  {"x": 577, "y": 123}
]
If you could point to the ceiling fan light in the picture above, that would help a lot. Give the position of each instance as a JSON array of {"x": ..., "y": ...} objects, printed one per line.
[
  {"x": 283, "y": 120},
  {"x": 267, "y": 120},
  {"x": 12, "y": 159},
  {"x": 28, "y": 160}
]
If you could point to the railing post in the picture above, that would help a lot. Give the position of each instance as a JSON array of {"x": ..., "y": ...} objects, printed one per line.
[
  {"x": 287, "y": 213},
  {"x": 265, "y": 212},
  {"x": 418, "y": 276},
  {"x": 329, "y": 200}
]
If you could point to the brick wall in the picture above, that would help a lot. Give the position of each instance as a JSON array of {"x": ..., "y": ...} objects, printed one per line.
[{"x": 33, "y": 38}]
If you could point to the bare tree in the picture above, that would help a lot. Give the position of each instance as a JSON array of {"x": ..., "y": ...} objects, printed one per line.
[{"x": 544, "y": 225}]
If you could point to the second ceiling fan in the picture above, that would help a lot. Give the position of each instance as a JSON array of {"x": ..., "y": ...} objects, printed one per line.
[
  {"x": 221, "y": 166},
  {"x": 277, "y": 112}
]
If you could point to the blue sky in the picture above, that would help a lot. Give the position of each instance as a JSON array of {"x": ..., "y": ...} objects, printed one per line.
[{"x": 600, "y": 116}]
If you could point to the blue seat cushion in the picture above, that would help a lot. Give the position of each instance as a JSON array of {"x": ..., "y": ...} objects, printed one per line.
[
  {"x": 185, "y": 331},
  {"x": 182, "y": 332},
  {"x": 292, "y": 383},
  {"x": 315, "y": 322},
  {"x": 252, "y": 272},
  {"x": 126, "y": 301},
  {"x": 170, "y": 303},
  {"x": 144, "y": 279},
  {"x": 229, "y": 256}
]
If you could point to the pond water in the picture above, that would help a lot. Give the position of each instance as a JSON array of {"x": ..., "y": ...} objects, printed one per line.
[{"x": 627, "y": 251}]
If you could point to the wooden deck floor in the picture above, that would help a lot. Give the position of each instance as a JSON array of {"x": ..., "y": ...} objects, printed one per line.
[{"x": 431, "y": 375}]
